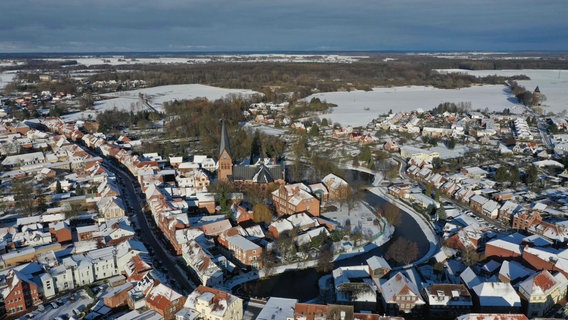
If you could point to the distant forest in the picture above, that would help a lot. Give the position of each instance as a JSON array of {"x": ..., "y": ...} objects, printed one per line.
[{"x": 277, "y": 80}]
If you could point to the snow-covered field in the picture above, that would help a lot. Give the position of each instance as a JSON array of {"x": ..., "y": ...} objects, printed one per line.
[
  {"x": 197, "y": 59},
  {"x": 357, "y": 108},
  {"x": 552, "y": 83},
  {"x": 271, "y": 131},
  {"x": 157, "y": 96},
  {"x": 360, "y": 217},
  {"x": 6, "y": 77}
]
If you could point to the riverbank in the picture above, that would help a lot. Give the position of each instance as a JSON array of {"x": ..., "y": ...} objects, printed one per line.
[
  {"x": 302, "y": 284},
  {"x": 377, "y": 241},
  {"x": 425, "y": 226}
]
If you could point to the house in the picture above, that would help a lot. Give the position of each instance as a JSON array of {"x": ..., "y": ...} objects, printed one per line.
[
  {"x": 541, "y": 291},
  {"x": 241, "y": 214},
  {"x": 320, "y": 191},
  {"x": 89, "y": 232},
  {"x": 337, "y": 187},
  {"x": 278, "y": 309},
  {"x": 497, "y": 297},
  {"x": 293, "y": 198},
  {"x": 19, "y": 292},
  {"x": 279, "y": 226},
  {"x": 417, "y": 153},
  {"x": 354, "y": 286},
  {"x": 507, "y": 210},
  {"x": 445, "y": 300},
  {"x": 474, "y": 172},
  {"x": 165, "y": 301},
  {"x": 22, "y": 160},
  {"x": 61, "y": 231},
  {"x": 245, "y": 251},
  {"x": 201, "y": 262},
  {"x": 378, "y": 267},
  {"x": 399, "y": 294},
  {"x": 469, "y": 278},
  {"x": 116, "y": 297},
  {"x": 111, "y": 207},
  {"x": 400, "y": 190},
  {"x": 505, "y": 247},
  {"x": 524, "y": 220},
  {"x": 490, "y": 209},
  {"x": 513, "y": 272},
  {"x": 215, "y": 228},
  {"x": 56, "y": 280},
  {"x": 308, "y": 311},
  {"x": 476, "y": 202},
  {"x": 208, "y": 303}
]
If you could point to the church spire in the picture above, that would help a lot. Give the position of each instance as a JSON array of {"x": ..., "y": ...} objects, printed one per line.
[
  {"x": 225, "y": 164},
  {"x": 224, "y": 144}
]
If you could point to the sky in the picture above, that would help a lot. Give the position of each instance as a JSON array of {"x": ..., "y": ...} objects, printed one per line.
[{"x": 283, "y": 25}]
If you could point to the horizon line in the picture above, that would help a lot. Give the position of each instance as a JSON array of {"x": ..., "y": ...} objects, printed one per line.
[{"x": 249, "y": 52}]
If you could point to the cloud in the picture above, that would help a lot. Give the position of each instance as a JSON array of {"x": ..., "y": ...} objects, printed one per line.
[{"x": 249, "y": 25}]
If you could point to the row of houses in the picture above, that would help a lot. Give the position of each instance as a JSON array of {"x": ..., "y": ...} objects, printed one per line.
[{"x": 471, "y": 187}]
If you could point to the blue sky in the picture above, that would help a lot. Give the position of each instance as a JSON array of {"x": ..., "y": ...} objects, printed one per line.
[{"x": 282, "y": 25}]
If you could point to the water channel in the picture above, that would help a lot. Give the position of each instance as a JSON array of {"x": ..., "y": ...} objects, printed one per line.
[{"x": 303, "y": 284}]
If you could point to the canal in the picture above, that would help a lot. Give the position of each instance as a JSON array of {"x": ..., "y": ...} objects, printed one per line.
[{"x": 303, "y": 284}]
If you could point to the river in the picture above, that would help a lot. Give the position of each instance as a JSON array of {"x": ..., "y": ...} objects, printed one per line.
[{"x": 303, "y": 284}]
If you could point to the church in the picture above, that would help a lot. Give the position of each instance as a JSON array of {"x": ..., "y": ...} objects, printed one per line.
[{"x": 262, "y": 173}]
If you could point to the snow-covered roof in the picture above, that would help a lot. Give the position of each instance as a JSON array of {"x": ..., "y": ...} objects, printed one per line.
[
  {"x": 513, "y": 270},
  {"x": 242, "y": 243},
  {"x": 542, "y": 283},
  {"x": 278, "y": 309},
  {"x": 503, "y": 243},
  {"x": 469, "y": 277},
  {"x": 491, "y": 266},
  {"x": 376, "y": 262},
  {"x": 399, "y": 284},
  {"x": 497, "y": 294},
  {"x": 301, "y": 220}
]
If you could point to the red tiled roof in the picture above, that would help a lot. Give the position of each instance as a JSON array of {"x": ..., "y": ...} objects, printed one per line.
[
  {"x": 305, "y": 309},
  {"x": 544, "y": 281}
]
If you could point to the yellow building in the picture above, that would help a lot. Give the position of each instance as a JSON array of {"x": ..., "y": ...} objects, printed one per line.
[{"x": 542, "y": 291}]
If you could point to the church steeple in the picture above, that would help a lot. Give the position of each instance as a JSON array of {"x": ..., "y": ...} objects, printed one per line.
[
  {"x": 224, "y": 144},
  {"x": 225, "y": 164}
]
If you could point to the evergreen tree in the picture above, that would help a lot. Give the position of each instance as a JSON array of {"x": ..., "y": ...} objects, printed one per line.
[{"x": 58, "y": 188}]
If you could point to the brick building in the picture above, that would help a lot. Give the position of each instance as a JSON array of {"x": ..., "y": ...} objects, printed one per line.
[
  {"x": 19, "y": 293},
  {"x": 293, "y": 198}
]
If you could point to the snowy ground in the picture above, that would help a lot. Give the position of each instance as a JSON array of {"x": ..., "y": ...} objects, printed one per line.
[
  {"x": 82, "y": 300},
  {"x": 357, "y": 108},
  {"x": 129, "y": 100},
  {"x": 552, "y": 83},
  {"x": 196, "y": 59},
  {"x": 361, "y": 218},
  {"x": 6, "y": 77},
  {"x": 271, "y": 131}
]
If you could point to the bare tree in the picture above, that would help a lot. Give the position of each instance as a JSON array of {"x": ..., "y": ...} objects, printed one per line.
[
  {"x": 403, "y": 251},
  {"x": 391, "y": 212}
]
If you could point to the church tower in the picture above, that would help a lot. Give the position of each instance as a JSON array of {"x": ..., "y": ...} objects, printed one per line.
[
  {"x": 225, "y": 164},
  {"x": 536, "y": 97}
]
